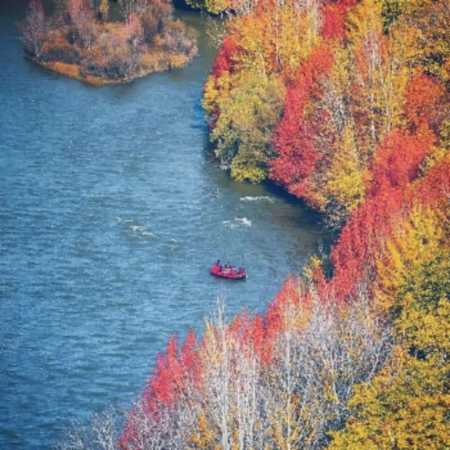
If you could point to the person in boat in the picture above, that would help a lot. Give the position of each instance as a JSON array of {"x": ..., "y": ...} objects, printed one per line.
[{"x": 218, "y": 265}]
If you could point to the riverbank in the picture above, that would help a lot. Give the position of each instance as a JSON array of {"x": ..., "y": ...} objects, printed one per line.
[
  {"x": 160, "y": 62},
  {"x": 313, "y": 116},
  {"x": 343, "y": 105}
]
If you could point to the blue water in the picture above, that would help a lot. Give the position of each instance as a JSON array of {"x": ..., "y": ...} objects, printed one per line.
[{"x": 111, "y": 211}]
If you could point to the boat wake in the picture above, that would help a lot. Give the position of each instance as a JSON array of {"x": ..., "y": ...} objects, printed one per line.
[
  {"x": 137, "y": 229},
  {"x": 238, "y": 222},
  {"x": 257, "y": 198}
]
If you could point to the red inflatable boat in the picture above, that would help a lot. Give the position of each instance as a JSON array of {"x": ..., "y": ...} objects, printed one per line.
[{"x": 229, "y": 272}]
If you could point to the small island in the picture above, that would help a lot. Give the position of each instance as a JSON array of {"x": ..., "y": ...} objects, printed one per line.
[{"x": 99, "y": 43}]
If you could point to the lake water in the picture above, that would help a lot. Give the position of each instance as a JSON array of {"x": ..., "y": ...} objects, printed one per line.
[{"x": 111, "y": 211}]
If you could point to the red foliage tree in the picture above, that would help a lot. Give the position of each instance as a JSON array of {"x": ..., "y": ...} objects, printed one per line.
[
  {"x": 163, "y": 385},
  {"x": 424, "y": 102},
  {"x": 333, "y": 18},
  {"x": 189, "y": 359},
  {"x": 224, "y": 59},
  {"x": 434, "y": 189},
  {"x": 395, "y": 168},
  {"x": 294, "y": 137},
  {"x": 174, "y": 370},
  {"x": 398, "y": 159},
  {"x": 354, "y": 253}
]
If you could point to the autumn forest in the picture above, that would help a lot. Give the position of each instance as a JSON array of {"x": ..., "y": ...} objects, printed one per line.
[{"x": 344, "y": 105}]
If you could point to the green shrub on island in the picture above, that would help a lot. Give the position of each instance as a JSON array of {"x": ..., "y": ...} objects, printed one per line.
[{"x": 81, "y": 40}]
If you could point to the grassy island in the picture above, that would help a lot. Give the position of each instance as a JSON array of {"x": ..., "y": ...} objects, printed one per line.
[{"x": 102, "y": 44}]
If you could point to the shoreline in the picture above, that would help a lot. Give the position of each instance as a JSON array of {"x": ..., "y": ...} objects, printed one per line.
[{"x": 74, "y": 71}]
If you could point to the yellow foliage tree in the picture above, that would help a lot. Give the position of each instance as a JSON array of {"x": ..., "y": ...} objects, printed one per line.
[
  {"x": 250, "y": 104},
  {"x": 404, "y": 408},
  {"x": 345, "y": 176},
  {"x": 280, "y": 37},
  {"x": 406, "y": 405},
  {"x": 427, "y": 22},
  {"x": 203, "y": 437},
  {"x": 416, "y": 241}
]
